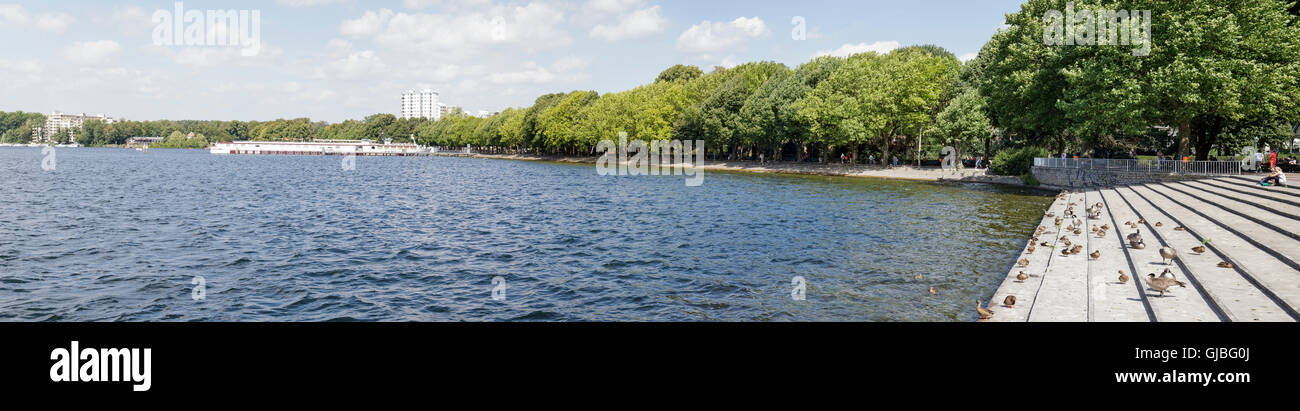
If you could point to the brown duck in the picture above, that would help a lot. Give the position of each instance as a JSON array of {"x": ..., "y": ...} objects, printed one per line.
[
  {"x": 1163, "y": 283},
  {"x": 984, "y": 313},
  {"x": 1123, "y": 278},
  {"x": 1024, "y": 262},
  {"x": 1200, "y": 249},
  {"x": 1225, "y": 264},
  {"x": 1022, "y": 276},
  {"x": 1095, "y": 254},
  {"x": 1010, "y": 301}
]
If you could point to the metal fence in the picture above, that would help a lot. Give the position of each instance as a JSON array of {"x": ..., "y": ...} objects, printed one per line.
[{"x": 1192, "y": 168}]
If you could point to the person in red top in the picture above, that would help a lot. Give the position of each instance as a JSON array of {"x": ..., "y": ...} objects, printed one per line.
[{"x": 1272, "y": 160}]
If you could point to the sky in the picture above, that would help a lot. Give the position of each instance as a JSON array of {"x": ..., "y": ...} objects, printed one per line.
[{"x": 335, "y": 60}]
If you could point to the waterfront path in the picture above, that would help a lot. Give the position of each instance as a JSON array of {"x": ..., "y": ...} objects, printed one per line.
[{"x": 1249, "y": 269}]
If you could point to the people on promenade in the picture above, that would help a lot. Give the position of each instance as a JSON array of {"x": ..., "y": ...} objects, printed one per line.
[
  {"x": 871, "y": 159},
  {"x": 1277, "y": 178},
  {"x": 1272, "y": 159}
]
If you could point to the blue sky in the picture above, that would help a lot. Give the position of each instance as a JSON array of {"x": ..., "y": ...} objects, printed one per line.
[{"x": 345, "y": 59}]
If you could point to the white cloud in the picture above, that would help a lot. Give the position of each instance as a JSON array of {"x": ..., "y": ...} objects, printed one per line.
[
  {"x": 92, "y": 52},
  {"x": 16, "y": 15},
  {"x": 846, "y": 50},
  {"x": 967, "y": 57},
  {"x": 613, "y": 6},
  {"x": 566, "y": 69},
  {"x": 715, "y": 36},
  {"x": 306, "y": 3},
  {"x": 356, "y": 65},
  {"x": 504, "y": 29},
  {"x": 21, "y": 73},
  {"x": 638, "y": 24},
  {"x": 206, "y": 57}
]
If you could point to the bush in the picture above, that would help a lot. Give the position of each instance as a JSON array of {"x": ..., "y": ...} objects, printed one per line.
[
  {"x": 1029, "y": 179},
  {"x": 1016, "y": 162}
]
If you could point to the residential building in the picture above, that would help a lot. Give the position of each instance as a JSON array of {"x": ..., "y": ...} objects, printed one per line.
[
  {"x": 58, "y": 121},
  {"x": 420, "y": 104}
]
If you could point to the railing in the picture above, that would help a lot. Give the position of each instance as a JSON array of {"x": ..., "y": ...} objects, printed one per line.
[{"x": 1192, "y": 168}]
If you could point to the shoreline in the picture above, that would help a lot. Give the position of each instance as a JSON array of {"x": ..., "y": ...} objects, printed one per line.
[{"x": 907, "y": 173}]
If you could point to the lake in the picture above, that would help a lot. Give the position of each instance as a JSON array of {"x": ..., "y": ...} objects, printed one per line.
[{"x": 120, "y": 235}]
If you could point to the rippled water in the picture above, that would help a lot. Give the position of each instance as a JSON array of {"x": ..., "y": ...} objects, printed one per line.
[{"x": 116, "y": 235}]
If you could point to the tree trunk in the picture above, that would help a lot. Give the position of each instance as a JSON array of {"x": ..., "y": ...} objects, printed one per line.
[{"x": 1184, "y": 138}]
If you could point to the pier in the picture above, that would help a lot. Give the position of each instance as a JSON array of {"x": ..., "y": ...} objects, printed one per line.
[{"x": 1248, "y": 270}]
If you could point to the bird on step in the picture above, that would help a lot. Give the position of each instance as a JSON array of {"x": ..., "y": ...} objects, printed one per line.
[
  {"x": 1160, "y": 224},
  {"x": 1225, "y": 264},
  {"x": 1139, "y": 245},
  {"x": 1024, "y": 262},
  {"x": 1095, "y": 254},
  {"x": 1076, "y": 249},
  {"x": 1180, "y": 228},
  {"x": 1105, "y": 227},
  {"x": 1101, "y": 234},
  {"x": 1022, "y": 276},
  {"x": 1010, "y": 301},
  {"x": 1162, "y": 283},
  {"x": 1168, "y": 254},
  {"x": 984, "y": 313},
  {"x": 1200, "y": 249},
  {"x": 1142, "y": 221},
  {"x": 1135, "y": 236},
  {"x": 1123, "y": 278}
]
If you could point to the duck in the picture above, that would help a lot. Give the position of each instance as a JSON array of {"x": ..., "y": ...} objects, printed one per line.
[
  {"x": 1076, "y": 249},
  {"x": 1010, "y": 301},
  {"x": 1142, "y": 221},
  {"x": 1200, "y": 249},
  {"x": 1105, "y": 227},
  {"x": 984, "y": 313},
  {"x": 1160, "y": 224},
  {"x": 1065, "y": 252},
  {"x": 1169, "y": 254},
  {"x": 1162, "y": 283},
  {"x": 1225, "y": 264},
  {"x": 1095, "y": 254},
  {"x": 1101, "y": 234},
  {"x": 1180, "y": 228},
  {"x": 1078, "y": 231},
  {"x": 919, "y": 277},
  {"x": 932, "y": 290},
  {"x": 1024, "y": 262},
  {"x": 1123, "y": 278},
  {"x": 1022, "y": 276}
]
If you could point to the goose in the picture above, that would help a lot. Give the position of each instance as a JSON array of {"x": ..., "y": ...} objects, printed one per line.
[
  {"x": 1123, "y": 278},
  {"x": 1140, "y": 245},
  {"x": 1168, "y": 254},
  {"x": 1162, "y": 283},
  {"x": 985, "y": 314},
  {"x": 1135, "y": 236},
  {"x": 1010, "y": 301}
]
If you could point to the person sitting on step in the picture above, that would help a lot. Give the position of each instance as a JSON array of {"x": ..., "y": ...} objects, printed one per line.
[{"x": 1277, "y": 178}]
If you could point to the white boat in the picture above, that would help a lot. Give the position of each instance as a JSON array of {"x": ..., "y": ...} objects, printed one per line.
[{"x": 319, "y": 148}]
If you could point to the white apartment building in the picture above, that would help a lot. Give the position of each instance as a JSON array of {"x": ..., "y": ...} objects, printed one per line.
[
  {"x": 420, "y": 104},
  {"x": 59, "y": 120}
]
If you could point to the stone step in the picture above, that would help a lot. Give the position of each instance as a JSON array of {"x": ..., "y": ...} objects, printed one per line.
[
  {"x": 1108, "y": 299},
  {"x": 1027, "y": 292},
  {"x": 1236, "y": 297},
  {"x": 1259, "y": 216},
  {"x": 1272, "y": 272},
  {"x": 1239, "y": 189},
  {"x": 1253, "y": 183},
  {"x": 1063, "y": 295},
  {"x": 1279, "y": 208},
  {"x": 1188, "y": 304}
]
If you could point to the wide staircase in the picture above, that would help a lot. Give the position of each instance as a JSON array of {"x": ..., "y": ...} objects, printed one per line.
[{"x": 1249, "y": 269}]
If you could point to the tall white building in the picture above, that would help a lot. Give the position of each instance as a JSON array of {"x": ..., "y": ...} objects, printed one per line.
[
  {"x": 420, "y": 104},
  {"x": 59, "y": 120}
]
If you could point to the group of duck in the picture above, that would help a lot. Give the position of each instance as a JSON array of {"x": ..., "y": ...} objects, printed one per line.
[{"x": 1160, "y": 283}]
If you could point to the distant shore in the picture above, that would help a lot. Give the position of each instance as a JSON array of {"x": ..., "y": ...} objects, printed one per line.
[{"x": 832, "y": 169}]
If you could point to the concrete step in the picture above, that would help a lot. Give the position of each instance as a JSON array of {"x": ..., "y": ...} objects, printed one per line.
[
  {"x": 1266, "y": 240},
  {"x": 1279, "y": 208},
  {"x": 1236, "y": 297},
  {"x": 1027, "y": 292},
  {"x": 1247, "y": 191},
  {"x": 1265, "y": 271},
  {"x": 1259, "y": 216},
  {"x": 1108, "y": 299},
  {"x": 1252, "y": 182},
  {"x": 1188, "y": 304},
  {"x": 1064, "y": 290}
]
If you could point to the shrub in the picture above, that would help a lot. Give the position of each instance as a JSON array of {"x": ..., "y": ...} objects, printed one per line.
[
  {"x": 1016, "y": 162},
  {"x": 1029, "y": 179}
]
